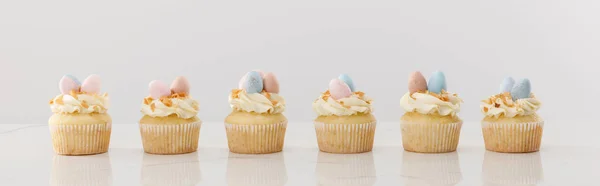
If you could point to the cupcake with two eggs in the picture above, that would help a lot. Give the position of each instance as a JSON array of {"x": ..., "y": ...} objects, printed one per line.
[
  {"x": 431, "y": 123},
  {"x": 344, "y": 123},
  {"x": 256, "y": 124},
  {"x": 511, "y": 123}
]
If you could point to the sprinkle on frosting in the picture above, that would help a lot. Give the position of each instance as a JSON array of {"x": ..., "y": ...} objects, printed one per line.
[
  {"x": 357, "y": 103},
  {"x": 502, "y": 105}
]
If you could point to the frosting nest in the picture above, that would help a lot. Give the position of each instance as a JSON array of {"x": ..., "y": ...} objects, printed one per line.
[
  {"x": 179, "y": 104},
  {"x": 357, "y": 103},
  {"x": 263, "y": 102},
  {"x": 79, "y": 102},
  {"x": 431, "y": 103},
  {"x": 503, "y": 105}
]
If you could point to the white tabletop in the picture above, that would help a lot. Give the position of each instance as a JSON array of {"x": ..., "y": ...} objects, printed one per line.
[{"x": 27, "y": 159}]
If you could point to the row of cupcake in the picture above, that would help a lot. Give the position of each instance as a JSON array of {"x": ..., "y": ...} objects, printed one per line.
[{"x": 256, "y": 125}]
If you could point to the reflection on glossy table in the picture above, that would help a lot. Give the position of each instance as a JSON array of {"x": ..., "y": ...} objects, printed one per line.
[{"x": 27, "y": 159}]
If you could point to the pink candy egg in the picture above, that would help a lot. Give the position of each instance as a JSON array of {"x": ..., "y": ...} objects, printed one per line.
[
  {"x": 416, "y": 82},
  {"x": 91, "y": 84},
  {"x": 159, "y": 89},
  {"x": 180, "y": 85},
  {"x": 67, "y": 84},
  {"x": 270, "y": 83},
  {"x": 338, "y": 89}
]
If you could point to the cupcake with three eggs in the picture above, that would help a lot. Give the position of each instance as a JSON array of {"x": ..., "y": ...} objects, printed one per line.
[
  {"x": 170, "y": 124},
  {"x": 80, "y": 124},
  {"x": 511, "y": 123},
  {"x": 256, "y": 124},
  {"x": 431, "y": 123},
  {"x": 344, "y": 123}
]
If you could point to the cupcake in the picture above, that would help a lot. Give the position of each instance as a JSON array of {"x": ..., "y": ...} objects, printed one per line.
[
  {"x": 344, "y": 123},
  {"x": 256, "y": 124},
  {"x": 170, "y": 124},
  {"x": 80, "y": 124},
  {"x": 430, "y": 124},
  {"x": 511, "y": 123}
]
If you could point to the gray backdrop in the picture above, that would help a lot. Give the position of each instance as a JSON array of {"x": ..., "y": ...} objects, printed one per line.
[{"x": 306, "y": 43}]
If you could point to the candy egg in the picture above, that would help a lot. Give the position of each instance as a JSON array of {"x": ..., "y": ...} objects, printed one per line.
[
  {"x": 521, "y": 89},
  {"x": 74, "y": 79},
  {"x": 416, "y": 82},
  {"x": 241, "y": 83},
  {"x": 338, "y": 89},
  {"x": 158, "y": 89},
  {"x": 437, "y": 82},
  {"x": 67, "y": 84},
  {"x": 253, "y": 82},
  {"x": 91, "y": 84},
  {"x": 270, "y": 83},
  {"x": 180, "y": 85},
  {"x": 346, "y": 79},
  {"x": 507, "y": 84}
]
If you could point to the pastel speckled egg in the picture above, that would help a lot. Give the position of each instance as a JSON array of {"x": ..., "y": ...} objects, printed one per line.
[
  {"x": 507, "y": 84},
  {"x": 338, "y": 89},
  {"x": 74, "y": 79},
  {"x": 346, "y": 79},
  {"x": 270, "y": 83},
  {"x": 158, "y": 89},
  {"x": 91, "y": 84},
  {"x": 416, "y": 82},
  {"x": 67, "y": 84},
  {"x": 241, "y": 83},
  {"x": 180, "y": 85},
  {"x": 437, "y": 82},
  {"x": 253, "y": 82},
  {"x": 522, "y": 89}
]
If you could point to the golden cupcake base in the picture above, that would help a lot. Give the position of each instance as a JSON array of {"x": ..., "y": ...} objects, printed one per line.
[
  {"x": 430, "y": 137},
  {"x": 256, "y": 139},
  {"x": 80, "y": 139},
  {"x": 170, "y": 138},
  {"x": 345, "y": 138},
  {"x": 513, "y": 137}
]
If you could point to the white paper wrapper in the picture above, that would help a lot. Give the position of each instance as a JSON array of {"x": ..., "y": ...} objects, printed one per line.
[
  {"x": 256, "y": 170},
  {"x": 430, "y": 137},
  {"x": 81, "y": 171},
  {"x": 345, "y": 169},
  {"x": 431, "y": 169},
  {"x": 513, "y": 137},
  {"x": 345, "y": 138},
  {"x": 169, "y": 138},
  {"x": 512, "y": 169},
  {"x": 80, "y": 139},
  {"x": 160, "y": 170},
  {"x": 256, "y": 139}
]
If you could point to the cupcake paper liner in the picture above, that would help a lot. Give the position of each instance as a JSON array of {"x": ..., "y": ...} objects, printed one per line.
[
  {"x": 430, "y": 137},
  {"x": 80, "y": 139},
  {"x": 170, "y": 138},
  {"x": 513, "y": 137},
  {"x": 161, "y": 170},
  {"x": 345, "y": 169},
  {"x": 81, "y": 171},
  {"x": 252, "y": 170},
  {"x": 512, "y": 169},
  {"x": 431, "y": 169},
  {"x": 345, "y": 138},
  {"x": 255, "y": 139}
]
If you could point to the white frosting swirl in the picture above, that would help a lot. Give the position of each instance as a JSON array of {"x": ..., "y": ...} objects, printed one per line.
[
  {"x": 497, "y": 106},
  {"x": 80, "y": 103},
  {"x": 424, "y": 103},
  {"x": 327, "y": 106},
  {"x": 257, "y": 102},
  {"x": 184, "y": 107}
]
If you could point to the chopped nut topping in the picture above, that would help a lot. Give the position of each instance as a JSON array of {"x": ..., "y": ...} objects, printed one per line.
[
  {"x": 148, "y": 100},
  {"x": 166, "y": 101},
  {"x": 485, "y": 109},
  {"x": 235, "y": 93},
  {"x": 84, "y": 104},
  {"x": 152, "y": 107}
]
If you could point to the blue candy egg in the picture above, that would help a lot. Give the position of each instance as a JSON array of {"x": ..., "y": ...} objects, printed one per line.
[
  {"x": 437, "y": 82},
  {"x": 522, "y": 89},
  {"x": 507, "y": 84},
  {"x": 74, "y": 79},
  {"x": 253, "y": 82},
  {"x": 346, "y": 79}
]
